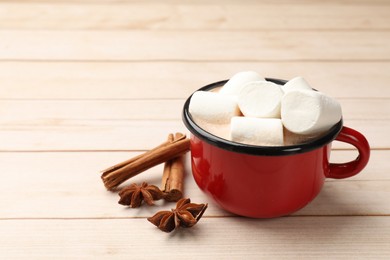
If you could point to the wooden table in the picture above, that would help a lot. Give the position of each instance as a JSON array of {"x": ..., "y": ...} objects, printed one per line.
[{"x": 85, "y": 84}]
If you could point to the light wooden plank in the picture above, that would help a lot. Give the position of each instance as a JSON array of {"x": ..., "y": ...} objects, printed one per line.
[
  {"x": 375, "y": 131},
  {"x": 191, "y": 2},
  {"x": 112, "y": 135},
  {"x": 68, "y": 185},
  {"x": 233, "y": 238},
  {"x": 43, "y": 112},
  {"x": 376, "y": 169},
  {"x": 75, "y": 189},
  {"x": 46, "y": 112},
  {"x": 89, "y": 135},
  {"x": 369, "y": 109},
  {"x": 350, "y": 198},
  {"x": 101, "y": 125},
  {"x": 54, "y": 204},
  {"x": 195, "y": 45},
  {"x": 123, "y": 80},
  {"x": 191, "y": 17}
]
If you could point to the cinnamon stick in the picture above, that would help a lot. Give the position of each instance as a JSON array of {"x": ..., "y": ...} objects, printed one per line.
[
  {"x": 119, "y": 173},
  {"x": 173, "y": 178},
  {"x": 167, "y": 167}
]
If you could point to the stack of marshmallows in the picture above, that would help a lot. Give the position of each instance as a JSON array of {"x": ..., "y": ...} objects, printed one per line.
[{"x": 250, "y": 110}]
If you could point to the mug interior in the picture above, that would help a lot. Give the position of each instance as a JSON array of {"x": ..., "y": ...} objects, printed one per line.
[{"x": 254, "y": 149}]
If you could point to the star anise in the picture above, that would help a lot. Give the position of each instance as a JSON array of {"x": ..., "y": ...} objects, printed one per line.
[
  {"x": 134, "y": 194},
  {"x": 186, "y": 214}
]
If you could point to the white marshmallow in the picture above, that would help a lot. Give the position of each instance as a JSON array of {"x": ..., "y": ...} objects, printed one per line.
[
  {"x": 296, "y": 84},
  {"x": 213, "y": 107},
  {"x": 291, "y": 138},
  {"x": 260, "y": 99},
  {"x": 235, "y": 83},
  {"x": 309, "y": 112},
  {"x": 257, "y": 131}
]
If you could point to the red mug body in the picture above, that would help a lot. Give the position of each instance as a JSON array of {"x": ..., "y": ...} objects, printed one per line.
[
  {"x": 258, "y": 186},
  {"x": 266, "y": 182}
]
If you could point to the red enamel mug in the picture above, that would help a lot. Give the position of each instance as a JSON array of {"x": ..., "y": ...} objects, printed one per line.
[{"x": 265, "y": 181}]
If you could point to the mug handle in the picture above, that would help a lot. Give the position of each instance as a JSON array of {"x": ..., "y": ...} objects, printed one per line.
[{"x": 348, "y": 169}]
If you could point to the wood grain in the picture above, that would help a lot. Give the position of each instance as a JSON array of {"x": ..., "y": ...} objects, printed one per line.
[
  {"x": 123, "y": 80},
  {"x": 191, "y": 2},
  {"x": 111, "y": 135},
  {"x": 182, "y": 16},
  {"x": 85, "y": 84},
  {"x": 68, "y": 185},
  {"x": 137, "y": 45},
  {"x": 43, "y": 112},
  {"x": 306, "y": 237},
  {"x": 128, "y": 125}
]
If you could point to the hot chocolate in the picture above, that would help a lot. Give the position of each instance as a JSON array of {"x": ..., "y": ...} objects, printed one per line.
[{"x": 263, "y": 113}]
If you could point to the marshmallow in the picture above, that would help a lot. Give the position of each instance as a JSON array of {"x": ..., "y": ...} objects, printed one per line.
[
  {"x": 296, "y": 84},
  {"x": 291, "y": 138},
  {"x": 309, "y": 112},
  {"x": 213, "y": 107},
  {"x": 257, "y": 131},
  {"x": 236, "y": 83},
  {"x": 260, "y": 99}
]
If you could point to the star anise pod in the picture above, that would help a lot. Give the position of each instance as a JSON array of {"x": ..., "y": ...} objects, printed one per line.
[
  {"x": 186, "y": 214},
  {"x": 134, "y": 194}
]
